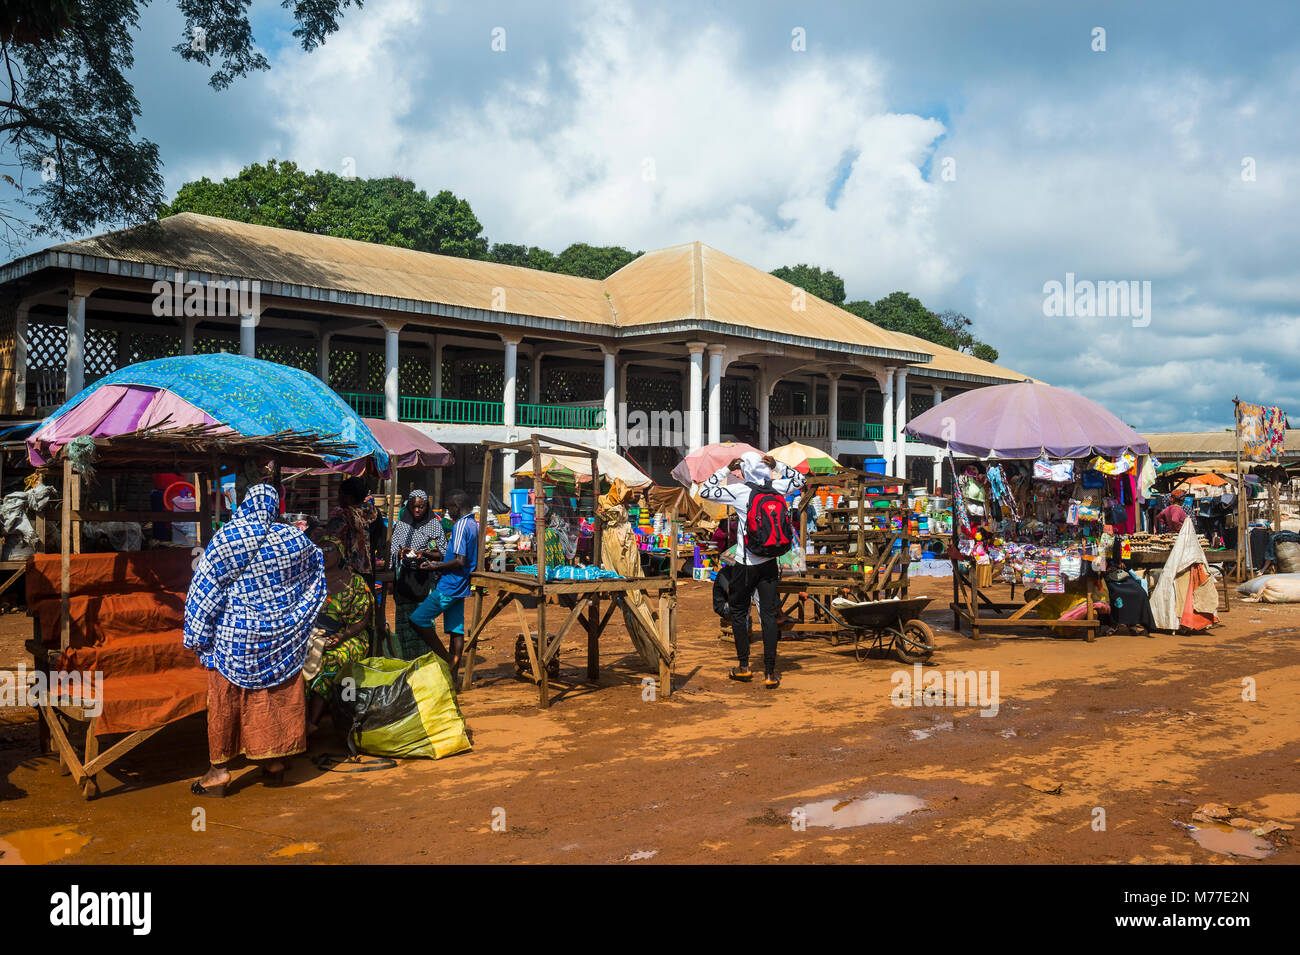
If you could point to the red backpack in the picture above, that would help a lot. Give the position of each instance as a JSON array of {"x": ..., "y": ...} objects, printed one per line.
[{"x": 769, "y": 531}]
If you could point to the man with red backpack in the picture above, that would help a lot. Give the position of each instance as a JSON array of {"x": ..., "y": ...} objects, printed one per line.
[{"x": 765, "y": 531}]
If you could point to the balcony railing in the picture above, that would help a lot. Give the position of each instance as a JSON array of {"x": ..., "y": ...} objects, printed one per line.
[
  {"x": 460, "y": 411},
  {"x": 861, "y": 431}
]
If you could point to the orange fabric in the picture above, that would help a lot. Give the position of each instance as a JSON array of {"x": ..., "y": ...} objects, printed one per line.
[
  {"x": 1196, "y": 576},
  {"x": 166, "y": 569},
  {"x": 126, "y": 613},
  {"x": 261, "y": 724},
  {"x": 108, "y": 617}
]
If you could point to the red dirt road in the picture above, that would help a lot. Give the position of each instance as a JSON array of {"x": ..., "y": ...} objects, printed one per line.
[{"x": 1144, "y": 730}]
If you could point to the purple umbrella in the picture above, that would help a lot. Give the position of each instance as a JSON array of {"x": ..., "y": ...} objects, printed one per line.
[{"x": 1025, "y": 420}]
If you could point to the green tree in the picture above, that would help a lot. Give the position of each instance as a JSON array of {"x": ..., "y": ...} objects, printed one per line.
[
  {"x": 389, "y": 211},
  {"x": 68, "y": 113},
  {"x": 985, "y": 352},
  {"x": 593, "y": 261},
  {"x": 825, "y": 284}
]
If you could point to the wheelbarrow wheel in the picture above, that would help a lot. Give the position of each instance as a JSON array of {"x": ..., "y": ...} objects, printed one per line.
[
  {"x": 913, "y": 642},
  {"x": 862, "y": 644}
]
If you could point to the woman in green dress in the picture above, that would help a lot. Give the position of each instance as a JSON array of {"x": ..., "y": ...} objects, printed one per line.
[{"x": 347, "y": 609}]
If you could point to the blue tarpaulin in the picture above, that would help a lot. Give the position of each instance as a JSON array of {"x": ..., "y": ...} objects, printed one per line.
[{"x": 251, "y": 396}]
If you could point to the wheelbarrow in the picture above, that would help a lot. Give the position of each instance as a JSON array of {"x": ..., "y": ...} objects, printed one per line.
[{"x": 886, "y": 624}]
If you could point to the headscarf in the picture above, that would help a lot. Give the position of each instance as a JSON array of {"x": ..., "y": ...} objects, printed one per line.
[
  {"x": 255, "y": 596},
  {"x": 753, "y": 469},
  {"x": 408, "y": 535}
]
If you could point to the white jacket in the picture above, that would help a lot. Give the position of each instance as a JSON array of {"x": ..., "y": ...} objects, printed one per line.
[{"x": 737, "y": 496}]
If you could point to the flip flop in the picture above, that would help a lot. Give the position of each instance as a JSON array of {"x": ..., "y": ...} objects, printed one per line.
[
  {"x": 739, "y": 675},
  {"x": 218, "y": 792}
]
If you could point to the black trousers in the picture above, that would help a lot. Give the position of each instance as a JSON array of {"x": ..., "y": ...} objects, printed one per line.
[{"x": 745, "y": 580}]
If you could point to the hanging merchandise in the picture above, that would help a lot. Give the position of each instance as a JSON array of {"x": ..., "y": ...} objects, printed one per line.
[
  {"x": 1001, "y": 493},
  {"x": 1262, "y": 430},
  {"x": 1121, "y": 465},
  {"x": 1057, "y": 472}
]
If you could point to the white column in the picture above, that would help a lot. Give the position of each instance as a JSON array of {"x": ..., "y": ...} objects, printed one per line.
[
  {"x": 715, "y": 393},
  {"x": 510, "y": 384},
  {"x": 887, "y": 425},
  {"x": 694, "y": 384},
  {"x": 535, "y": 389},
  {"x": 900, "y": 419},
  {"x": 20, "y": 357},
  {"x": 391, "y": 362},
  {"x": 938, "y": 458},
  {"x": 764, "y": 410},
  {"x": 75, "y": 378},
  {"x": 248, "y": 334},
  {"x": 862, "y": 403},
  {"x": 509, "y": 412},
  {"x": 323, "y": 357},
  {"x": 435, "y": 369},
  {"x": 833, "y": 411},
  {"x": 611, "y": 411}
]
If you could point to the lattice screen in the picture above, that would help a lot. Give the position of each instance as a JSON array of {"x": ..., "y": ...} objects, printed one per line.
[
  {"x": 413, "y": 376},
  {"x": 654, "y": 392},
  {"x": 146, "y": 346},
  {"x": 209, "y": 343},
  {"x": 301, "y": 355},
  {"x": 779, "y": 404},
  {"x": 919, "y": 403},
  {"x": 343, "y": 369},
  {"x": 101, "y": 353},
  {"x": 475, "y": 380},
  {"x": 47, "y": 347},
  {"x": 573, "y": 384}
]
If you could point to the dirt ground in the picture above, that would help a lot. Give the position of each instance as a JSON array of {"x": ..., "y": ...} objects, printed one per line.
[{"x": 1136, "y": 732}]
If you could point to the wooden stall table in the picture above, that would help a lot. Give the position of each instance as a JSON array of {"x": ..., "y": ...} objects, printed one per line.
[
  {"x": 863, "y": 562},
  {"x": 579, "y": 600}
]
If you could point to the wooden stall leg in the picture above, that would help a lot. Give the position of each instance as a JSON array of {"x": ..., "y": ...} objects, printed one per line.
[
  {"x": 665, "y": 636},
  {"x": 593, "y": 639},
  {"x": 90, "y": 785},
  {"x": 471, "y": 646},
  {"x": 543, "y": 680}
]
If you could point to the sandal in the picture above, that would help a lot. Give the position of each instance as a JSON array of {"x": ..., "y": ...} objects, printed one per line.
[
  {"x": 218, "y": 791},
  {"x": 740, "y": 675},
  {"x": 771, "y": 681},
  {"x": 273, "y": 780}
]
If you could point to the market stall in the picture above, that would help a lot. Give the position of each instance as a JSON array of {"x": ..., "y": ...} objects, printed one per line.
[
  {"x": 577, "y": 592},
  {"x": 120, "y": 614},
  {"x": 1047, "y": 504}
]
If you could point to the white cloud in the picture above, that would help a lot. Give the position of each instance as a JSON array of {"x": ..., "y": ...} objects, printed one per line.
[{"x": 1124, "y": 176}]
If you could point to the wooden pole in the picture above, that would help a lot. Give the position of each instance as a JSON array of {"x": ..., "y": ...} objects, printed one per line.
[
  {"x": 539, "y": 546},
  {"x": 65, "y": 550}
]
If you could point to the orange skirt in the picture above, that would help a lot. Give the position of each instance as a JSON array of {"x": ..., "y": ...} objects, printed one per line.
[{"x": 261, "y": 724}]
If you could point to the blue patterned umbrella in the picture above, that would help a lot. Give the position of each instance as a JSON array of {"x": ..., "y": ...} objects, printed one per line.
[{"x": 249, "y": 396}]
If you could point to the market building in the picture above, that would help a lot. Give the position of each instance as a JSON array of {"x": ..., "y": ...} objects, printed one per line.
[{"x": 683, "y": 346}]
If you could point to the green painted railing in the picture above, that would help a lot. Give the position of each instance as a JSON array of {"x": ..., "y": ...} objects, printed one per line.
[
  {"x": 368, "y": 406},
  {"x": 460, "y": 411},
  {"x": 861, "y": 431}
]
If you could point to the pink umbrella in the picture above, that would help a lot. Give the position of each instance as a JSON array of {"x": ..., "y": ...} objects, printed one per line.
[
  {"x": 700, "y": 463},
  {"x": 1025, "y": 420}
]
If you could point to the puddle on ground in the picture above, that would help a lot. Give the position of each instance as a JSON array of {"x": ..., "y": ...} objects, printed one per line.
[
  {"x": 297, "y": 849},
  {"x": 39, "y": 846},
  {"x": 860, "y": 810},
  {"x": 1232, "y": 842}
]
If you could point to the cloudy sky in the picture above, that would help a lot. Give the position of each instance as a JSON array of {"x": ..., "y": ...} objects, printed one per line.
[{"x": 965, "y": 152}]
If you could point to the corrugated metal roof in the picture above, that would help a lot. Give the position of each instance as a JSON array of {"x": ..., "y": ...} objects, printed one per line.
[
  {"x": 1222, "y": 444},
  {"x": 691, "y": 283}
]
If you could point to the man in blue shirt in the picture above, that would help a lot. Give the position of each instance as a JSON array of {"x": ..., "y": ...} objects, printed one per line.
[{"x": 447, "y": 598}]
